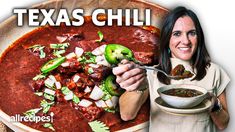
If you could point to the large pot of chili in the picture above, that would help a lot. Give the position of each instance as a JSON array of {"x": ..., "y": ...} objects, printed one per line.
[{"x": 18, "y": 68}]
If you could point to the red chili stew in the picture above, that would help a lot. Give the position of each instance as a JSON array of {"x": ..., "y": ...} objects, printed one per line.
[{"x": 28, "y": 56}]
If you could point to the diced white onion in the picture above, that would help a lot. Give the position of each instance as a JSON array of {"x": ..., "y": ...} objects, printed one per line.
[
  {"x": 49, "y": 83},
  {"x": 93, "y": 65},
  {"x": 87, "y": 89},
  {"x": 96, "y": 93},
  {"x": 49, "y": 91},
  {"x": 85, "y": 103},
  {"x": 65, "y": 64},
  {"x": 69, "y": 96},
  {"x": 104, "y": 63},
  {"x": 70, "y": 55},
  {"x": 102, "y": 48},
  {"x": 100, "y": 103},
  {"x": 99, "y": 50},
  {"x": 115, "y": 100},
  {"x": 58, "y": 85},
  {"x": 79, "y": 51},
  {"x": 76, "y": 78},
  {"x": 109, "y": 103},
  {"x": 52, "y": 78},
  {"x": 99, "y": 58},
  {"x": 61, "y": 39}
]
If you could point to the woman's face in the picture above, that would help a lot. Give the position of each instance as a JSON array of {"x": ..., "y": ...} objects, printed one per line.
[{"x": 183, "y": 41}]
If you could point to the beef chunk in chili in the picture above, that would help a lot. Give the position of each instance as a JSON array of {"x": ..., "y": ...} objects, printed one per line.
[
  {"x": 144, "y": 36},
  {"x": 144, "y": 57},
  {"x": 70, "y": 37},
  {"x": 80, "y": 81},
  {"x": 88, "y": 45},
  {"x": 91, "y": 112},
  {"x": 98, "y": 73},
  {"x": 108, "y": 120},
  {"x": 36, "y": 51},
  {"x": 37, "y": 85},
  {"x": 59, "y": 96},
  {"x": 71, "y": 66},
  {"x": 180, "y": 71}
]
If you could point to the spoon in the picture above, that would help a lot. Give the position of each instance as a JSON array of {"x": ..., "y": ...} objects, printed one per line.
[{"x": 155, "y": 69}]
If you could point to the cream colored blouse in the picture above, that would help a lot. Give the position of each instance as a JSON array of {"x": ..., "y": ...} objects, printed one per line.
[{"x": 215, "y": 81}]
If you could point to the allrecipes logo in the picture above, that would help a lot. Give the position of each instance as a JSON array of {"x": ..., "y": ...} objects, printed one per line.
[{"x": 36, "y": 119}]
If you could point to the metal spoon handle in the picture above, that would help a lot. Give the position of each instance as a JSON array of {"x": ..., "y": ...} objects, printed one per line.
[{"x": 155, "y": 69}]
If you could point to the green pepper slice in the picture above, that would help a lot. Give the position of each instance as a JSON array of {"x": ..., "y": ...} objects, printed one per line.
[
  {"x": 114, "y": 53},
  {"x": 52, "y": 64},
  {"x": 111, "y": 87}
]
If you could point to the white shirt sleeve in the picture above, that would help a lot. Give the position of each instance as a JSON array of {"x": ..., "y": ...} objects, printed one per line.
[{"x": 221, "y": 80}]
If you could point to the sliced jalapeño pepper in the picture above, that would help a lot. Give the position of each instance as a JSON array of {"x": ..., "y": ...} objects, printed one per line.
[
  {"x": 114, "y": 53},
  {"x": 52, "y": 64},
  {"x": 111, "y": 87}
]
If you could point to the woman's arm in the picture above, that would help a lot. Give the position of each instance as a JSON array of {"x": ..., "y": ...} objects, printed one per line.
[
  {"x": 221, "y": 117},
  {"x": 134, "y": 81},
  {"x": 130, "y": 103}
]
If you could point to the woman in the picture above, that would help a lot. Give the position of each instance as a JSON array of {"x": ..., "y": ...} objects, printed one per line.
[{"x": 181, "y": 42}]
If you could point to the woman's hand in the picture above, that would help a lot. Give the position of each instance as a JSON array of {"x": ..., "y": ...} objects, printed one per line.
[
  {"x": 221, "y": 116},
  {"x": 212, "y": 97},
  {"x": 129, "y": 77}
]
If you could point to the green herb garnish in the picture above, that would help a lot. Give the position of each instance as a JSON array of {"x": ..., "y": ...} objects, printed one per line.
[
  {"x": 49, "y": 97},
  {"x": 46, "y": 105},
  {"x": 65, "y": 90},
  {"x": 38, "y": 93},
  {"x": 82, "y": 59},
  {"x": 39, "y": 76},
  {"x": 59, "y": 46},
  {"x": 59, "y": 49},
  {"x": 31, "y": 113},
  {"x": 87, "y": 58},
  {"x": 110, "y": 110},
  {"x": 91, "y": 57},
  {"x": 90, "y": 70},
  {"x": 49, "y": 125},
  {"x": 39, "y": 48},
  {"x": 107, "y": 95},
  {"x": 42, "y": 54},
  {"x": 89, "y": 54},
  {"x": 76, "y": 99},
  {"x": 98, "y": 126},
  {"x": 58, "y": 53},
  {"x": 101, "y": 36}
]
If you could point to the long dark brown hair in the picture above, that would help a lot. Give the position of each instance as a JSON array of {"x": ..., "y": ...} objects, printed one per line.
[{"x": 201, "y": 58}]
